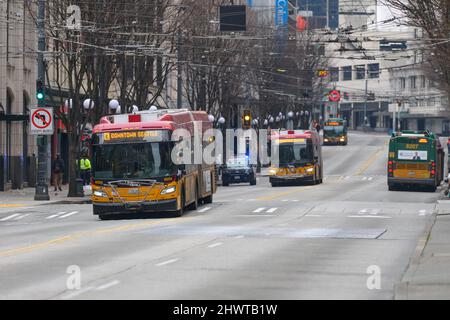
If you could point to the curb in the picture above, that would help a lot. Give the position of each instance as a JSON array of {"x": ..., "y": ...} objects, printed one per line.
[
  {"x": 401, "y": 289},
  {"x": 56, "y": 202}
]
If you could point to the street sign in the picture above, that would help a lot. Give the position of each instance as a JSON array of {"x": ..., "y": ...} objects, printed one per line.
[
  {"x": 41, "y": 121},
  {"x": 334, "y": 96}
]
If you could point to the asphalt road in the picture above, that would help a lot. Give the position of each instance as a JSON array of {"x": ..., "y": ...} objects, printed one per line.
[{"x": 307, "y": 242}]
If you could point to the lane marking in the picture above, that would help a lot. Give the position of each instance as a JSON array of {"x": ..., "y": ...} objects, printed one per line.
[
  {"x": 217, "y": 244},
  {"x": 204, "y": 209},
  {"x": 21, "y": 217},
  {"x": 107, "y": 285},
  {"x": 422, "y": 212},
  {"x": 370, "y": 178},
  {"x": 373, "y": 217},
  {"x": 164, "y": 263},
  {"x": 281, "y": 194},
  {"x": 239, "y": 237},
  {"x": 11, "y": 205},
  {"x": 68, "y": 215},
  {"x": 76, "y": 293},
  {"x": 259, "y": 210},
  {"x": 363, "y": 211},
  {"x": 10, "y": 217},
  {"x": 369, "y": 162},
  {"x": 272, "y": 210},
  {"x": 364, "y": 178},
  {"x": 56, "y": 215}
]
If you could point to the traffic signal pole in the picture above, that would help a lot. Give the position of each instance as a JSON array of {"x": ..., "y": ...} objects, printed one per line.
[{"x": 41, "y": 192}]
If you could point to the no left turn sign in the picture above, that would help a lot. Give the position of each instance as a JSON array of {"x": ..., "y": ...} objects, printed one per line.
[{"x": 41, "y": 120}]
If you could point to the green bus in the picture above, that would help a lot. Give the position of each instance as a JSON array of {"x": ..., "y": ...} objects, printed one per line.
[
  {"x": 335, "y": 132},
  {"x": 416, "y": 158}
]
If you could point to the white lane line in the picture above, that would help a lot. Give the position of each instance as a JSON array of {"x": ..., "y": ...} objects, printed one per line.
[
  {"x": 56, "y": 215},
  {"x": 166, "y": 262},
  {"x": 314, "y": 215},
  {"x": 370, "y": 178},
  {"x": 373, "y": 217},
  {"x": 10, "y": 217},
  {"x": 295, "y": 200},
  {"x": 363, "y": 211},
  {"x": 68, "y": 215},
  {"x": 285, "y": 200},
  {"x": 204, "y": 209},
  {"x": 217, "y": 244},
  {"x": 423, "y": 212},
  {"x": 271, "y": 210},
  {"x": 364, "y": 178},
  {"x": 21, "y": 217},
  {"x": 107, "y": 285},
  {"x": 76, "y": 293},
  {"x": 259, "y": 210},
  {"x": 239, "y": 237}
]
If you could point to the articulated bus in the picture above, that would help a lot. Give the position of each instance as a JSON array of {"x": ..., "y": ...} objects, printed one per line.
[
  {"x": 133, "y": 170},
  {"x": 415, "y": 159},
  {"x": 335, "y": 132},
  {"x": 299, "y": 158}
]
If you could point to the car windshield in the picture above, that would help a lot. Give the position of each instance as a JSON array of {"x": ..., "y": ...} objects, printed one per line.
[
  {"x": 295, "y": 154},
  {"x": 237, "y": 163},
  {"x": 133, "y": 161}
]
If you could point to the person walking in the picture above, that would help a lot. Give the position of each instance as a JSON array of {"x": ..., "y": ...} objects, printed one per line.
[
  {"x": 58, "y": 171},
  {"x": 85, "y": 169}
]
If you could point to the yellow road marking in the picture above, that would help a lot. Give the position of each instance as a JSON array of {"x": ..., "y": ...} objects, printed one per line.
[
  {"x": 11, "y": 205},
  {"x": 280, "y": 194},
  {"x": 80, "y": 235},
  {"x": 369, "y": 162}
]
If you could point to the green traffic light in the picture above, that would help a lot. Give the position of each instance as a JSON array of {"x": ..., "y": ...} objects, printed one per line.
[{"x": 40, "y": 96}]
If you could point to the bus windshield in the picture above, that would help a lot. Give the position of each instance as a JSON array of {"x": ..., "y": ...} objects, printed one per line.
[
  {"x": 295, "y": 154},
  {"x": 133, "y": 160},
  {"x": 334, "y": 129}
]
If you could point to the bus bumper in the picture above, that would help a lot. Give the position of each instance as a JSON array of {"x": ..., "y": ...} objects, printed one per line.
[
  {"x": 293, "y": 179},
  {"x": 135, "y": 207},
  {"x": 399, "y": 181}
]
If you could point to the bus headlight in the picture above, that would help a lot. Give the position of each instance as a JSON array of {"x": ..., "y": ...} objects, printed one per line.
[
  {"x": 326, "y": 140},
  {"x": 100, "y": 194},
  {"x": 169, "y": 190},
  {"x": 310, "y": 170},
  {"x": 272, "y": 172}
]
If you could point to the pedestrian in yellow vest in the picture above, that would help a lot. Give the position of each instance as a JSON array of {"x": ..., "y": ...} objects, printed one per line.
[{"x": 85, "y": 170}]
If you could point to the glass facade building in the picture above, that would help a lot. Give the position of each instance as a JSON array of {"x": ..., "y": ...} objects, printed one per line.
[{"x": 325, "y": 13}]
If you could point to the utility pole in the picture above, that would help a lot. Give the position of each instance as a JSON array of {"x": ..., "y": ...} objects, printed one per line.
[
  {"x": 41, "y": 192},
  {"x": 365, "y": 104}
]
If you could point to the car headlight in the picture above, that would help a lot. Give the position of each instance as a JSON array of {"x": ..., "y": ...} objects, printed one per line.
[
  {"x": 101, "y": 194},
  {"x": 169, "y": 190}
]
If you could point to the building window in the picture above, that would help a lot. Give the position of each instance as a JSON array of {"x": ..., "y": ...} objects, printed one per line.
[
  {"x": 374, "y": 70},
  {"x": 412, "y": 82},
  {"x": 423, "y": 81},
  {"x": 334, "y": 74},
  {"x": 402, "y": 83},
  {"x": 431, "y": 102},
  {"x": 360, "y": 72},
  {"x": 347, "y": 73}
]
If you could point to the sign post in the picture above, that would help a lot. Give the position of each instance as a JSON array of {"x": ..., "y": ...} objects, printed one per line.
[{"x": 41, "y": 122}]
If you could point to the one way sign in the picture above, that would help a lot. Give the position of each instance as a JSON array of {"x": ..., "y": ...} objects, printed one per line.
[{"x": 41, "y": 120}]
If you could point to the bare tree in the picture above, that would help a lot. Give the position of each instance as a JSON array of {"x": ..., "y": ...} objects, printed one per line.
[{"x": 433, "y": 17}]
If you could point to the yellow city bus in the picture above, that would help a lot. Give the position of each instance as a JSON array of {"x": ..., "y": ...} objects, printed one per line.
[
  {"x": 415, "y": 159},
  {"x": 299, "y": 158},
  {"x": 335, "y": 132},
  {"x": 133, "y": 171}
]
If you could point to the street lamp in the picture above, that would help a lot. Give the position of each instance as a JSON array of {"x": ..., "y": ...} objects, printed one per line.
[
  {"x": 114, "y": 106},
  {"x": 88, "y": 104},
  {"x": 135, "y": 109},
  {"x": 153, "y": 108},
  {"x": 68, "y": 104},
  {"x": 211, "y": 118}
]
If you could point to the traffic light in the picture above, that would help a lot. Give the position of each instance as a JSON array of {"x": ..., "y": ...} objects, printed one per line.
[
  {"x": 40, "y": 92},
  {"x": 247, "y": 119}
]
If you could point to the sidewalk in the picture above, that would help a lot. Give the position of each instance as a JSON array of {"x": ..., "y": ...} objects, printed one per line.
[
  {"x": 25, "y": 197},
  {"x": 428, "y": 275}
]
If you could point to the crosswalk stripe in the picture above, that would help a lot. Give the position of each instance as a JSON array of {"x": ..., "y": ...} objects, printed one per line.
[
  {"x": 56, "y": 215},
  {"x": 204, "y": 209},
  {"x": 23, "y": 216},
  {"x": 259, "y": 210},
  {"x": 272, "y": 210},
  {"x": 10, "y": 217},
  {"x": 68, "y": 215}
]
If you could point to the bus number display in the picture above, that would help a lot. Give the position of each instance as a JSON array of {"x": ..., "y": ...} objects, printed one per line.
[
  {"x": 134, "y": 136},
  {"x": 411, "y": 146}
]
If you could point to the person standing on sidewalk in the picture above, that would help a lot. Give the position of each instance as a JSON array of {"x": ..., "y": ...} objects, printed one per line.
[
  {"x": 85, "y": 168},
  {"x": 58, "y": 171}
]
